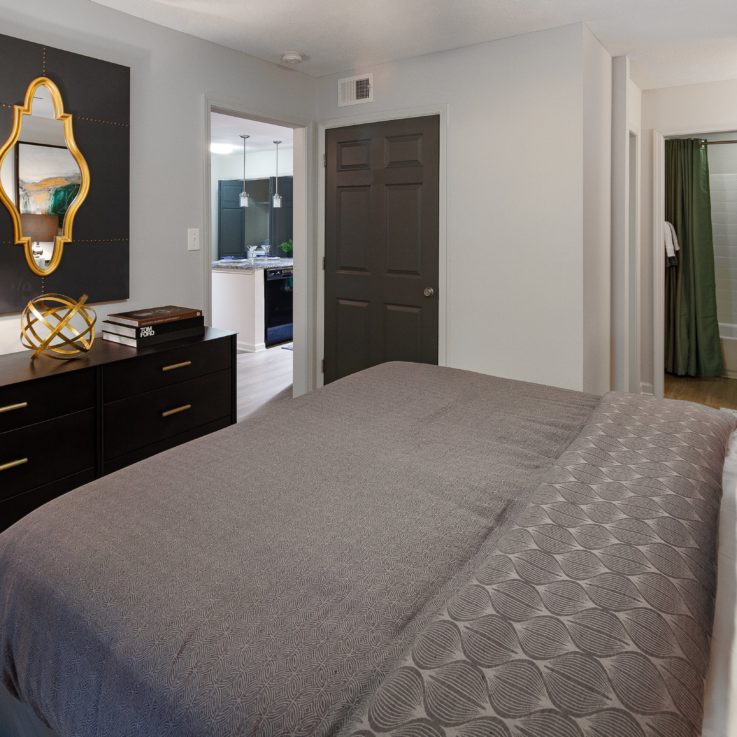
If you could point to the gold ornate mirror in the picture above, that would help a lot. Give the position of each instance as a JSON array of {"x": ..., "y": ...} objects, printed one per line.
[{"x": 44, "y": 179}]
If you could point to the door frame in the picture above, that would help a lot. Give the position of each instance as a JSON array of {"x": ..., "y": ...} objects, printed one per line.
[
  {"x": 303, "y": 357},
  {"x": 658, "y": 254},
  {"x": 382, "y": 117},
  {"x": 656, "y": 244},
  {"x": 634, "y": 237}
]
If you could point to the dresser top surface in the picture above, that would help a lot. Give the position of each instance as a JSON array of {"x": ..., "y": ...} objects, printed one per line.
[{"x": 16, "y": 368}]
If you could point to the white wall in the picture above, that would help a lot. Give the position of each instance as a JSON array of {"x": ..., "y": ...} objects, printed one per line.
[
  {"x": 171, "y": 76},
  {"x": 515, "y": 172},
  {"x": 597, "y": 203},
  {"x": 620, "y": 285},
  {"x": 626, "y": 121},
  {"x": 691, "y": 109},
  {"x": 634, "y": 106}
]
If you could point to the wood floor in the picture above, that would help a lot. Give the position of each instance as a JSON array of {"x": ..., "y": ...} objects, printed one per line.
[
  {"x": 263, "y": 378},
  {"x": 720, "y": 392},
  {"x": 266, "y": 377}
]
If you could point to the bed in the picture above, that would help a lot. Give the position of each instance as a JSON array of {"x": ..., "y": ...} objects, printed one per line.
[{"x": 412, "y": 551}]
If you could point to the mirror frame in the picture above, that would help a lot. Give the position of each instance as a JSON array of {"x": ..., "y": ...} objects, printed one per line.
[{"x": 19, "y": 111}]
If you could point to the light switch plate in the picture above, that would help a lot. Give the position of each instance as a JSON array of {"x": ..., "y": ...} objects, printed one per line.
[{"x": 193, "y": 239}]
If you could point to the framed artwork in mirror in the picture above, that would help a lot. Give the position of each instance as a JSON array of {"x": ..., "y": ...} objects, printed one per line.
[
  {"x": 64, "y": 175},
  {"x": 47, "y": 179},
  {"x": 52, "y": 169}
]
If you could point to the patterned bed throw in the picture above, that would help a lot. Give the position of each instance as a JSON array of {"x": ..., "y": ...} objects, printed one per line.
[{"x": 593, "y": 616}]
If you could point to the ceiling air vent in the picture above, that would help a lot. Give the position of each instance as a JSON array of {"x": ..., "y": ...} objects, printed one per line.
[{"x": 354, "y": 90}]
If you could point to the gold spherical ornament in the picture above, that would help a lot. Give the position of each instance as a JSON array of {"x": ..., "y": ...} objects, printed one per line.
[{"x": 58, "y": 326}]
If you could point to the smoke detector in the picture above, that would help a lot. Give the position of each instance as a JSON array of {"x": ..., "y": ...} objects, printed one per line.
[{"x": 291, "y": 58}]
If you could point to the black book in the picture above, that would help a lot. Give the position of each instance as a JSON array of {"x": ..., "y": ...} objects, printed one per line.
[
  {"x": 154, "y": 315},
  {"x": 144, "y": 342},
  {"x": 151, "y": 331}
]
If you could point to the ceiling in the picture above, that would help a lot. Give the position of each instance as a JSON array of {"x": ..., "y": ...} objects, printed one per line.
[
  {"x": 228, "y": 129},
  {"x": 670, "y": 42}
]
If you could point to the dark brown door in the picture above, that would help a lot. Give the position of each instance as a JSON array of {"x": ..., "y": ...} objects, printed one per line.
[{"x": 381, "y": 245}]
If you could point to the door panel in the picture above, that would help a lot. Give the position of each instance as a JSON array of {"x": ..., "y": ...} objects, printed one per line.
[
  {"x": 354, "y": 238},
  {"x": 404, "y": 229},
  {"x": 402, "y": 333},
  {"x": 354, "y": 155},
  {"x": 381, "y": 244},
  {"x": 403, "y": 150},
  {"x": 353, "y": 325}
]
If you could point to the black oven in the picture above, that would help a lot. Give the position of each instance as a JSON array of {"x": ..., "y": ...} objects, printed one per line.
[{"x": 278, "y": 288}]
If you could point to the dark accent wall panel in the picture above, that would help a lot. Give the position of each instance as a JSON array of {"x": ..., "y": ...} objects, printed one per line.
[{"x": 97, "y": 94}]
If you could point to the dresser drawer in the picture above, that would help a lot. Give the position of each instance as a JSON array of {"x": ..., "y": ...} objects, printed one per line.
[
  {"x": 165, "y": 368},
  {"x": 149, "y": 418},
  {"x": 42, "y": 453},
  {"x": 43, "y": 399}
]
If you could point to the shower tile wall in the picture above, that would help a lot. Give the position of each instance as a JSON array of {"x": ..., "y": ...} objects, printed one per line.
[{"x": 723, "y": 166}]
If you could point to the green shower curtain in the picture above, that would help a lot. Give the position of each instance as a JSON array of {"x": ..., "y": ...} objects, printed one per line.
[{"x": 692, "y": 346}]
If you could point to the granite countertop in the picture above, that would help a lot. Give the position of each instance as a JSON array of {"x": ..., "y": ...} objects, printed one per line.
[{"x": 253, "y": 264}]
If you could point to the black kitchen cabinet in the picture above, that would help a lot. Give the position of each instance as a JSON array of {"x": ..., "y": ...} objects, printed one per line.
[
  {"x": 260, "y": 222},
  {"x": 280, "y": 226}
]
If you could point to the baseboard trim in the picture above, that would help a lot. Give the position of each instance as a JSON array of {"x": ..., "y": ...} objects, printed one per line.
[
  {"x": 729, "y": 374},
  {"x": 251, "y": 347},
  {"x": 646, "y": 388}
]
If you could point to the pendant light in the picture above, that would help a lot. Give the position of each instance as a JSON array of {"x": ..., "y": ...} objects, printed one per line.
[
  {"x": 276, "y": 202},
  {"x": 244, "y": 195}
]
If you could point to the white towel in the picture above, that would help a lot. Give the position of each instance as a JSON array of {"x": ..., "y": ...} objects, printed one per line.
[
  {"x": 670, "y": 250},
  {"x": 676, "y": 244}
]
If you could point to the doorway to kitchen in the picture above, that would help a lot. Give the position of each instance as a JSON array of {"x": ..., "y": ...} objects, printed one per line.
[{"x": 251, "y": 239}]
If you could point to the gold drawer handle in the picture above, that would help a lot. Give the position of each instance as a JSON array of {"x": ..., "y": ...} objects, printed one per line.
[
  {"x": 13, "y": 464},
  {"x": 176, "y": 410},
  {"x": 173, "y": 366},
  {"x": 12, "y": 407}
]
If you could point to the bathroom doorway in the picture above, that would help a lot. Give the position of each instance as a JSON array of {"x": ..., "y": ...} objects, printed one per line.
[{"x": 700, "y": 289}]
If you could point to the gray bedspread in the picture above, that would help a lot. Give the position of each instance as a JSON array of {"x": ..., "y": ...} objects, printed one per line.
[{"x": 366, "y": 559}]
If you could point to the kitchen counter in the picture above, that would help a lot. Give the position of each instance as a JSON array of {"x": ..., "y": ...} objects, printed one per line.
[
  {"x": 238, "y": 298},
  {"x": 252, "y": 264}
]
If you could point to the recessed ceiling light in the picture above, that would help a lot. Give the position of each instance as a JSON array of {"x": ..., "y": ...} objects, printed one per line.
[
  {"x": 291, "y": 58},
  {"x": 221, "y": 148}
]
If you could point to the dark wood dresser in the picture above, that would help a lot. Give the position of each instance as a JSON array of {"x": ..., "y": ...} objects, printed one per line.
[{"x": 64, "y": 423}]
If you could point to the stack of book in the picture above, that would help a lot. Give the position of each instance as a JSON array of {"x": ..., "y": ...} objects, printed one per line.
[{"x": 141, "y": 328}]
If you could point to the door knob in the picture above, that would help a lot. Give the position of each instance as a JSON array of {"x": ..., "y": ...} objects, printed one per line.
[{"x": 428, "y": 291}]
